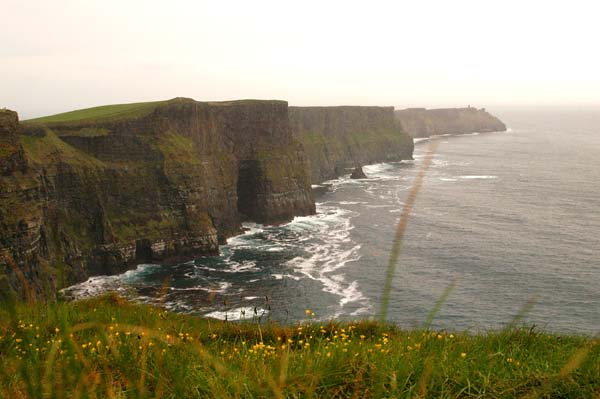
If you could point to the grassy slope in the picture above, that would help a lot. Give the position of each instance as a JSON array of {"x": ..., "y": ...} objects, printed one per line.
[
  {"x": 41, "y": 149},
  {"x": 117, "y": 111},
  {"x": 102, "y": 112},
  {"x": 109, "y": 348}
]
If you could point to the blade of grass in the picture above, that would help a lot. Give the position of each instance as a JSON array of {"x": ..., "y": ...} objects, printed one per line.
[
  {"x": 438, "y": 305},
  {"x": 573, "y": 363},
  {"x": 401, "y": 229},
  {"x": 525, "y": 309}
]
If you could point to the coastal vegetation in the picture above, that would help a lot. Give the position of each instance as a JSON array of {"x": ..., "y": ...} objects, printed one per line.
[
  {"x": 108, "y": 347},
  {"x": 113, "y": 111}
]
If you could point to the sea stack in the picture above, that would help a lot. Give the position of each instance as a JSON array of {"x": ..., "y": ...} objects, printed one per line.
[{"x": 358, "y": 173}]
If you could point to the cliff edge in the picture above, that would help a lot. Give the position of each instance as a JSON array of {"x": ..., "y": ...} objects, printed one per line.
[
  {"x": 421, "y": 122},
  {"x": 97, "y": 191},
  {"x": 337, "y": 139}
]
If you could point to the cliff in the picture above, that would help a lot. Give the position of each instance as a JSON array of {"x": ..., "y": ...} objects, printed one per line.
[
  {"x": 421, "y": 122},
  {"x": 338, "y": 138},
  {"x": 96, "y": 191}
]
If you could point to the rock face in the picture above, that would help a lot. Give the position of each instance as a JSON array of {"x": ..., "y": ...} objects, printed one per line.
[
  {"x": 12, "y": 157},
  {"x": 171, "y": 181},
  {"x": 358, "y": 173},
  {"x": 338, "y": 138},
  {"x": 421, "y": 122}
]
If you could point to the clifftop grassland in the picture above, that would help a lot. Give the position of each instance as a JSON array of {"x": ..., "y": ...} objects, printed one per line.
[
  {"x": 114, "y": 111},
  {"x": 107, "y": 347}
]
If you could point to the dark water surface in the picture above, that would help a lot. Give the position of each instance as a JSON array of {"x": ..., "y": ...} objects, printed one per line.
[{"x": 508, "y": 216}]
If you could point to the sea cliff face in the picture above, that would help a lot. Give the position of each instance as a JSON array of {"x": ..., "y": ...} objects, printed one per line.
[
  {"x": 337, "y": 139},
  {"x": 169, "y": 181},
  {"x": 421, "y": 122}
]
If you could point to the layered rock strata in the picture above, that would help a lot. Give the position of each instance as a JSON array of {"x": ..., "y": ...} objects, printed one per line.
[
  {"x": 170, "y": 181},
  {"x": 337, "y": 139}
]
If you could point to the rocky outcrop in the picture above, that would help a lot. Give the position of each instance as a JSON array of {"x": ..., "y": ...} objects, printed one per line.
[
  {"x": 421, "y": 122},
  {"x": 12, "y": 157},
  {"x": 98, "y": 195},
  {"x": 339, "y": 138},
  {"x": 358, "y": 173}
]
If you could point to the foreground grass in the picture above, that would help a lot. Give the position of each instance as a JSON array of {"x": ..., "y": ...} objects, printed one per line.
[{"x": 107, "y": 347}]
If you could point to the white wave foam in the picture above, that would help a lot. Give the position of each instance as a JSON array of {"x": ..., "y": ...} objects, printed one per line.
[
  {"x": 352, "y": 293},
  {"x": 275, "y": 249},
  {"x": 382, "y": 171},
  {"x": 98, "y": 285},
  {"x": 377, "y": 168},
  {"x": 93, "y": 286},
  {"x": 140, "y": 270},
  {"x": 334, "y": 250},
  {"x": 244, "y": 266},
  {"x": 222, "y": 287},
  {"x": 177, "y": 307},
  {"x": 249, "y": 229},
  {"x": 472, "y": 177},
  {"x": 285, "y": 276},
  {"x": 234, "y": 267},
  {"x": 447, "y": 179},
  {"x": 241, "y": 313},
  {"x": 362, "y": 311}
]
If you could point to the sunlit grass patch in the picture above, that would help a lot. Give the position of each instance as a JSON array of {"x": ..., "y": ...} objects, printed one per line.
[{"x": 101, "y": 112}]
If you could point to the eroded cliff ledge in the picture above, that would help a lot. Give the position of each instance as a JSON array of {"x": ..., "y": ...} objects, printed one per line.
[
  {"x": 337, "y": 139},
  {"x": 97, "y": 191},
  {"x": 421, "y": 122}
]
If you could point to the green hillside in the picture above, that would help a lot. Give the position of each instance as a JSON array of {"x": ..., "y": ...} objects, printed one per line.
[{"x": 101, "y": 112}]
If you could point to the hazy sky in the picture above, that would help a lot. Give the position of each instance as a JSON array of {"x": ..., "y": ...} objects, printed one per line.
[{"x": 60, "y": 55}]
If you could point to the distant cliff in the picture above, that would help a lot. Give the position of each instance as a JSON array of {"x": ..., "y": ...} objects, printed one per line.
[
  {"x": 421, "y": 122},
  {"x": 337, "y": 139},
  {"x": 97, "y": 191}
]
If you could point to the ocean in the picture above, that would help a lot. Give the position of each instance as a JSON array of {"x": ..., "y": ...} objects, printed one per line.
[{"x": 512, "y": 219}]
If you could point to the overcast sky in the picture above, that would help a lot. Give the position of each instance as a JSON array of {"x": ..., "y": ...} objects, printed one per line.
[{"x": 60, "y": 55}]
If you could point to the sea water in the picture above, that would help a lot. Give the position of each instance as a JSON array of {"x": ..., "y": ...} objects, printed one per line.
[{"x": 512, "y": 219}]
